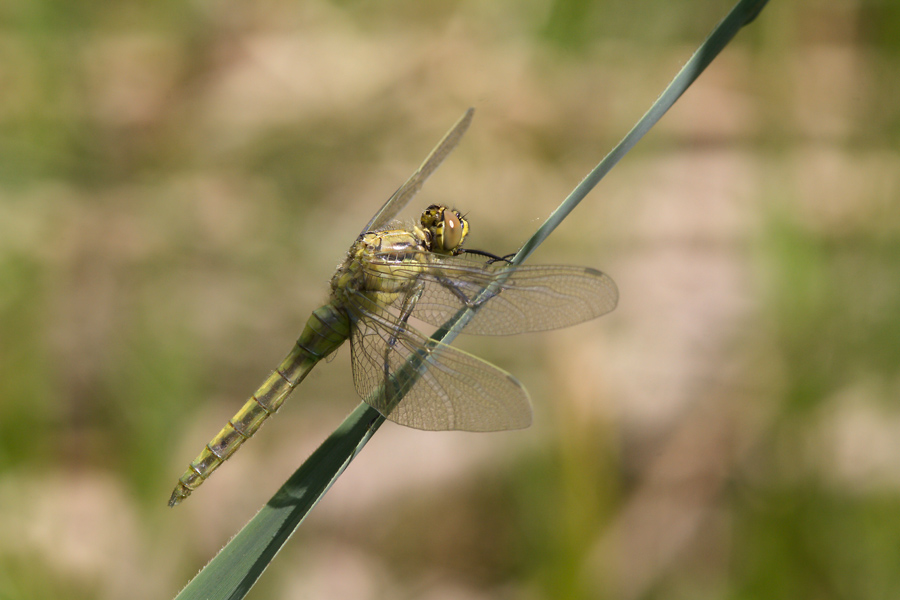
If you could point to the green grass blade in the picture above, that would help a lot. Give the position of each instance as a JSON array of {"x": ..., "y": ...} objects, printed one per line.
[{"x": 239, "y": 564}]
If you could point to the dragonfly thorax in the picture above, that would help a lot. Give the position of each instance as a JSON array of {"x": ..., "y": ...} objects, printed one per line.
[{"x": 378, "y": 265}]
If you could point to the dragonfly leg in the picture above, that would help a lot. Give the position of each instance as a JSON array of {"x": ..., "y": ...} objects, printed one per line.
[
  {"x": 493, "y": 257},
  {"x": 409, "y": 303},
  {"x": 467, "y": 302}
]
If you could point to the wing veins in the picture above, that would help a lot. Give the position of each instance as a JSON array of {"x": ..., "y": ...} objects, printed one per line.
[
  {"x": 453, "y": 389},
  {"x": 527, "y": 298}
]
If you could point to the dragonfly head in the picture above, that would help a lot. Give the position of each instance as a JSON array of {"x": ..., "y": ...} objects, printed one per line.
[{"x": 446, "y": 228}]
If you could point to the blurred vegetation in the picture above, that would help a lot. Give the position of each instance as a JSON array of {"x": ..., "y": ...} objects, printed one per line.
[{"x": 178, "y": 180}]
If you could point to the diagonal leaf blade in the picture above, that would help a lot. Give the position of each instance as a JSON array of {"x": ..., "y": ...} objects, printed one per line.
[
  {"x": 234, "y": 570},
  {"x": 240, "y": 563}
]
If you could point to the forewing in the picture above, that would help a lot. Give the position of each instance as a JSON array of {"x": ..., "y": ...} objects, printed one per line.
[
  {"x": 526, "y": 298},
  {"x": 411, "y": 187},
  {"x": 453, "y": 391}
]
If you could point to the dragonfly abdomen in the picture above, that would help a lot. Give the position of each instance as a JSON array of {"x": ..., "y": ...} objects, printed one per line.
[{"x": 325, "y": 331}]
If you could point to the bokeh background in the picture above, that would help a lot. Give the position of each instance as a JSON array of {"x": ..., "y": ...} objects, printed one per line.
[{"x": 179, "y": 179}]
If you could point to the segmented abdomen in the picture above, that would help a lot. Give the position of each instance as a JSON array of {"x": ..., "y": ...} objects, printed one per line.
[{"x": 325, "y": 331}]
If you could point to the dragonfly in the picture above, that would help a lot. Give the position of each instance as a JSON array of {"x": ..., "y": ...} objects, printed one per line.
[{"x": 393, "y": 273}]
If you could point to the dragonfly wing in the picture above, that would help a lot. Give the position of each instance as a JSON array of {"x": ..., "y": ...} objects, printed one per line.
[
  {"x": 532, "y": 298},
  {"x": 526, "y": 298},
  {"x": 405, "y": 192},
  {"x": 445, "y": 388}
]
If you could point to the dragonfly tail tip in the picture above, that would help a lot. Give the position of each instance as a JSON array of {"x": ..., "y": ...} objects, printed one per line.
[{"x": 178, "y": 494}]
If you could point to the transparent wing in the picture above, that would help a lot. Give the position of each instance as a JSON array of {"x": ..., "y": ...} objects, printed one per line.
[
  {"x": 405, "y": 192},
  {"x": 455, "y": 391},
  {"x": 528, "y": 298}
]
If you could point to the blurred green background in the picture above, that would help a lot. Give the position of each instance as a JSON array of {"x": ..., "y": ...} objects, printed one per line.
[{"x": 179, "y": 179}]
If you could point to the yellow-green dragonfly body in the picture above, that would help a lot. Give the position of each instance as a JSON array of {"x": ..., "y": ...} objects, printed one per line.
[{"x": 391, "y": 274}]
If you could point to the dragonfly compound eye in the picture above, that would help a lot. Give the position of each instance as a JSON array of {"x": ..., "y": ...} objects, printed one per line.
[{"x": 454, "y": 230}]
